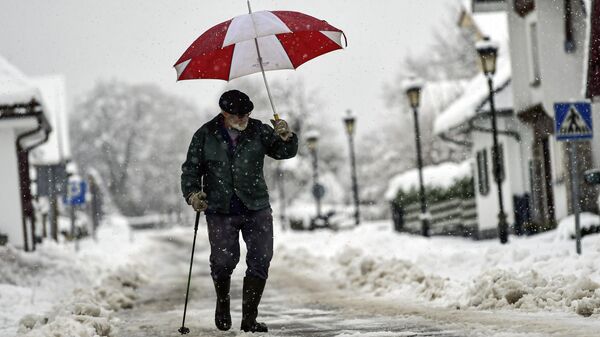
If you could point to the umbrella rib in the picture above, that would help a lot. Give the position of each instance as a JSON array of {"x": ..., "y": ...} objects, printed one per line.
[{"x": 260, "y": 63}]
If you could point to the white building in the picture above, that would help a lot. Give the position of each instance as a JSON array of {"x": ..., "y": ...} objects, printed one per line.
[
  {"x": 539, "y": 64},
  {"x": 468, "y": 120},
  {"x": 547, "y": 46},
  {"x": 592, "y": 73},
  {"x": 23, "y": 126}
]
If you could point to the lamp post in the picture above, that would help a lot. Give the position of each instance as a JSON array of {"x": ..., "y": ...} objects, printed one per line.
[
  {"x": 312, "y": 138},
  {"x": 488, "y": 52},
  {"x": 413, "y": 92},
  {"x": 349, "y": 122}
]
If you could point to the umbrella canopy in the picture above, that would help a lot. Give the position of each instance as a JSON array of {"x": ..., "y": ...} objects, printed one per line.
[{"x": 284, "y": 39}]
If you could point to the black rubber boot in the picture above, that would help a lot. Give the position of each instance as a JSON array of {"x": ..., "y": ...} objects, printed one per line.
[
  {"x": 251, "y": 294},
  {"x": 222, "y": 314}
]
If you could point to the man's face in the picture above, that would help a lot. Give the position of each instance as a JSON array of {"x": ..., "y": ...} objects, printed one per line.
[{"x": 238, "y": 122}]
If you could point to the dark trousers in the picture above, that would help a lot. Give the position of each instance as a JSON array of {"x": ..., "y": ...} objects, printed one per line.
[{"x": 223, "y": 234}]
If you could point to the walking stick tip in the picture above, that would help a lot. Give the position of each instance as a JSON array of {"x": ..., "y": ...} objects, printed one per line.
[{"x": 183, "y": 330}]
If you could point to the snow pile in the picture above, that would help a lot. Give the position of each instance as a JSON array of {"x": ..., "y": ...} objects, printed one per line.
[
  {"x": 88, "y": 312},
  {"x": 537, "y": 273},
  {"x": 531, "y": 291},
  {"x": 93, "y": 276}
]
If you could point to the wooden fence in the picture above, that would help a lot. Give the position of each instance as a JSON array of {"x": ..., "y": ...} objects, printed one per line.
[{"x": 453, "y": 217}]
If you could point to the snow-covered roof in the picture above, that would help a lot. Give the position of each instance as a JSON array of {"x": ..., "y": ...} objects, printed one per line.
[
  {"x": 503, "y": 99},
  {"x": 442, "y": 175},
  {"x": 57, "y": 148},
  {"x": 15, "y": 88},
  {"x": 441, "y": 93},
  {"x": 495, "y": 26},
  {"x": 476, "y": 93}
]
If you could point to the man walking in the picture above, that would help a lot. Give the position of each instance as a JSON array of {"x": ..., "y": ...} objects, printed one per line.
[{"x": 223, "y": 176}]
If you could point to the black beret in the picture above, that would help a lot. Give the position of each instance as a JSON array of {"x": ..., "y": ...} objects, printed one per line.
[{"x": 235, "y": 102}]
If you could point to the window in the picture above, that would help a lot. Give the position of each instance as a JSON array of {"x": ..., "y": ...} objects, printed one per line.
[
  {"x": 482, "y": 173},
  {"x": 535, "y": 76}
]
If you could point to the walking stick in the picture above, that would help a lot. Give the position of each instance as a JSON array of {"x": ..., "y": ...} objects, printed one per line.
[{"x": 183, "y": 330}]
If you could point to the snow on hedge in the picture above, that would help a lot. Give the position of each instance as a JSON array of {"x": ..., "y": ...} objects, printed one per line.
[
  {"x": 442, "y": 175},
  {"x": 537, "y": 273}
]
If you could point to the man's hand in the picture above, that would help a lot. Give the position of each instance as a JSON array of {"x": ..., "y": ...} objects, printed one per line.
[
  {"x": 198, "y": 201},
  {"x": 282, "y": 129}
]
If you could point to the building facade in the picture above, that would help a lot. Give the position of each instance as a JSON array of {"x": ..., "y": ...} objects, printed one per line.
[
  {"x": 23, "y": 126},
  {"x": 547, "y": 49}
]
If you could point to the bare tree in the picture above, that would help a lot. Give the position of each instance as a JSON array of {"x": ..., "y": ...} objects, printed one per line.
[
  {"x": 445, "y": 66},
  {"x": 136, "y": 137}
]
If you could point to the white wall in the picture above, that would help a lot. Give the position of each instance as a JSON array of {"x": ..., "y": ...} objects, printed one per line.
[
  {"x": 487, "y": 205},
  {"x": 562, "y": 73},
  {"x": 10, "y": 200}
]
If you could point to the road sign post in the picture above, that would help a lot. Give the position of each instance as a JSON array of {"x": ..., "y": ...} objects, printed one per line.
[
  {"x": 573, "y": 122},
  {"x": 75, "y": 196}
]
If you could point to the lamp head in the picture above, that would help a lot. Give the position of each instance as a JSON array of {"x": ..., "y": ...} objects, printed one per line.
[
  {"x": 488, "y": 53},
  {"x": 312, "y": 138},
  {"x": 412, "y": 87},
  {"x": 349, "y": 121}
]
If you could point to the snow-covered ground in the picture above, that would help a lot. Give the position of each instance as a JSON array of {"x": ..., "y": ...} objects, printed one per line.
[
  {"x": 539, "y": 273},
  {"x": 57, "y": 289},
  {"x": 61, "y": 287}
]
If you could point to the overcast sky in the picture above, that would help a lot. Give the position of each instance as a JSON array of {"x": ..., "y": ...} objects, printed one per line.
[{"x": 139, "y": 41}]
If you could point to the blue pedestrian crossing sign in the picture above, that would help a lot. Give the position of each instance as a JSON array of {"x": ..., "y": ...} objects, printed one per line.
[
  {"x": 75, "y": 193},
  {"x": 573, "y": 121}
]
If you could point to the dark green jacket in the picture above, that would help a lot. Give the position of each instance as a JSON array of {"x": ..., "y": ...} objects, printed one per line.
[{"x": 241, "y": 172}]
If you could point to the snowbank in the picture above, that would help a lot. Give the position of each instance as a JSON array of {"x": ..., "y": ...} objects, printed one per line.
[
  {"x": 566, "y": 227},
  {"x": 537, "y": 273},
  {"x": 57, "y": 287}
]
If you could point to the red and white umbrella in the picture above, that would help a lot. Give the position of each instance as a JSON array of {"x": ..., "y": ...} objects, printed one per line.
[{"x": 234, "y": 48}]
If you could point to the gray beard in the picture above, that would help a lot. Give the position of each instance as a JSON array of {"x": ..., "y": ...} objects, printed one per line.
[{"x": 238, "y": 127}]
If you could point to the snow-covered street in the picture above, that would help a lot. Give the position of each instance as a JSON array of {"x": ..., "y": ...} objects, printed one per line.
[
  {"x": 293, "y": 305},
  {"x": 368, "y": 281}
]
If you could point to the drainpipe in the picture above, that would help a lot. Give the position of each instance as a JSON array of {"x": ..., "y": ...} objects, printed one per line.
[{"x": 33, "y": 108}]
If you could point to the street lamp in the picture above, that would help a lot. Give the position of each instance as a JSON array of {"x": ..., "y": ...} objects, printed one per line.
[
  {"x": 488, "y": 52},
  {"x": 412, "y": 88},
  {"x": 349, "y": 121},
  {"x": 312, "y": 138}
]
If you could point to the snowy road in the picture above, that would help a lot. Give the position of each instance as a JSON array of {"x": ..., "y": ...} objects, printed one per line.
[
  {"x": 297, "y": 303},
  {"x": 290, "y": 307}
]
